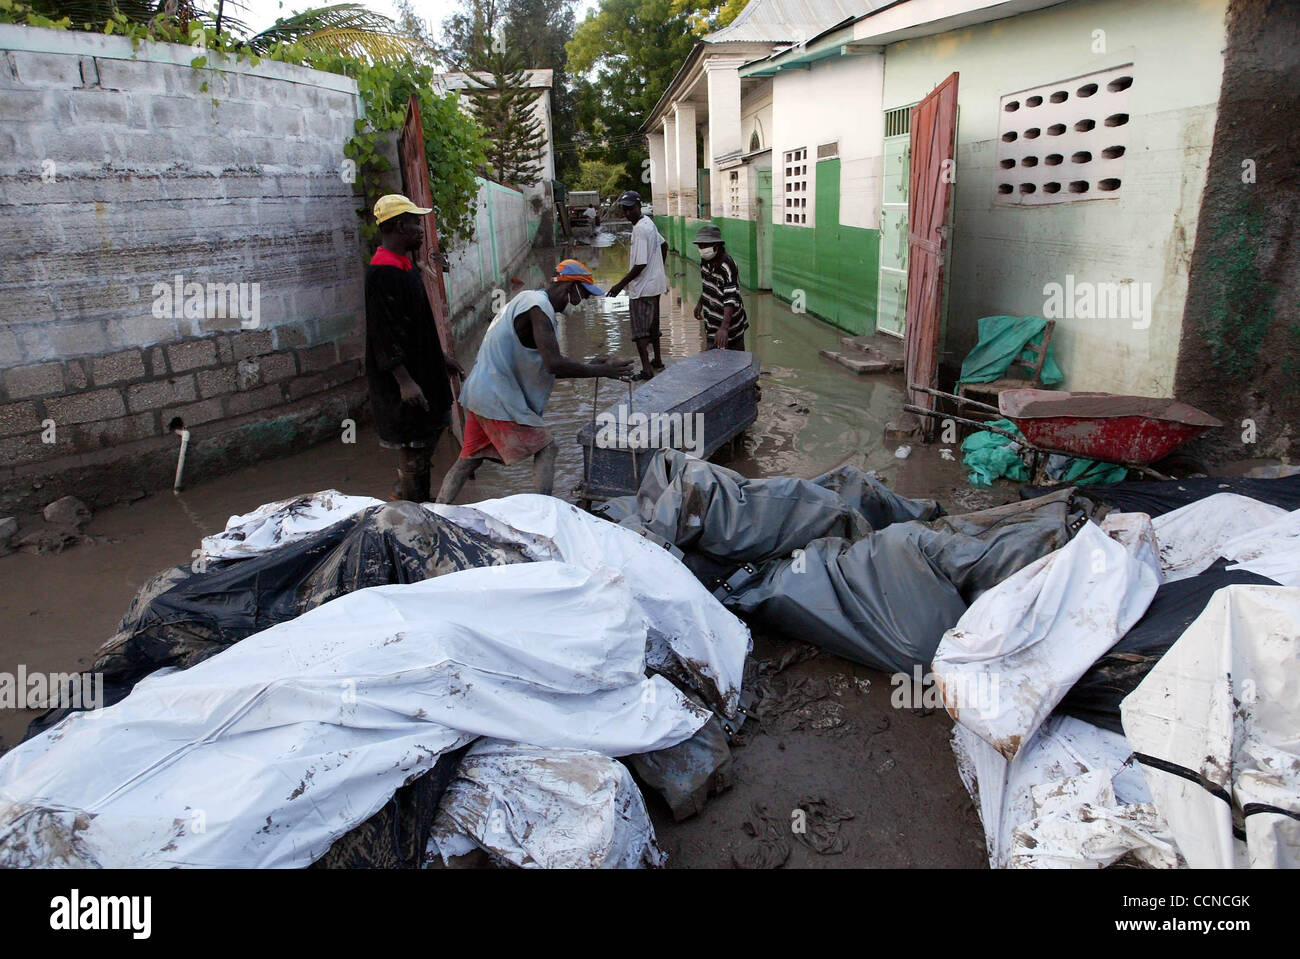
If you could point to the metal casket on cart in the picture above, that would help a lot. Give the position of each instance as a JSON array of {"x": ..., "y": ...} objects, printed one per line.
[{"x": 696, "y": 405}]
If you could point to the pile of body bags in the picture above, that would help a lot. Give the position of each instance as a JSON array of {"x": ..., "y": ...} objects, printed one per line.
[
  {"x": 342, "y": 682},
  {"x": 1122, "y": 662}
]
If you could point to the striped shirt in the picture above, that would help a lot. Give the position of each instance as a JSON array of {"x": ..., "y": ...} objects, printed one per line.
[{"x": 720, "y": 288}]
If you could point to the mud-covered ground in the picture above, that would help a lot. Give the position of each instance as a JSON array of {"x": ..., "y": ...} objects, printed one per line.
[{"x": 877, "y": 784}]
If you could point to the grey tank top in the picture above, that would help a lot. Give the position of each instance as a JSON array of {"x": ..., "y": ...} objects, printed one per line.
[{"x": 509, "y": 381}]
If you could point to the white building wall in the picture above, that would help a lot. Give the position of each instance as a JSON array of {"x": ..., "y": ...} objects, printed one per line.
[
  {"x": 836, "y": 100},
  {"x": 1002, "y": 257}
]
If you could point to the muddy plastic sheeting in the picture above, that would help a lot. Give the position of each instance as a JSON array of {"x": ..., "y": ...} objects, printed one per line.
[
  {"x": 182, "y": 616},
  {"x": 1096, "y": 695},
  {"x": 1214, "y": 727},
  {"x": 291, "y": 738},
  {"x": 541, "y": 808}
]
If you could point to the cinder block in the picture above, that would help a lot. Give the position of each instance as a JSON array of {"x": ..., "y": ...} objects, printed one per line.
[
  {"x": 127, "y": 365},
  {"x": 80, "y": 339},
  {"x": 141, "y": 331},
  {"x": 263, "y": 398},
  {"x": 125, "y": 429},
  {"x": 137, "y": 76},
  {"x": 48, "y": 70},
  {"x": 277, "y": 366},
  {"x": 101, "y": 106},
  {"x": 159, "y": 393},
  {"x": 252, "y": 343},
  {"x": 218, "y": 382},
  {"x": 74, "y": 372},
  {"x": 318, "y": 358},
  {"x": 39, "y": 380},
  {"x": 11, "y": 353},
  {"x": 204, "y": 411},
  {"x": 305, "y": 386},
  {"x": 18, "y": 418},
  {"x": 290, "y": 337},
  {"x": 86, "y": 407},
  {"x": 21, "y": 450},
  {"x": 191, "y": 355}
]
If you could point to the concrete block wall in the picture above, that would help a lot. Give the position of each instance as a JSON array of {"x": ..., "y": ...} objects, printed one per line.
[
  {"x": 502, "y": 239},
  {"x": 121, "y": 169}
]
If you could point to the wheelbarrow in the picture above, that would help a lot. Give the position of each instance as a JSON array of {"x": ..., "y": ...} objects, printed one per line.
[{"x": 1130, "y": 431}]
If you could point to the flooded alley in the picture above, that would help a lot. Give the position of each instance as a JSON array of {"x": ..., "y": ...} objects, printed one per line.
[{"x": 813, "y": 416}]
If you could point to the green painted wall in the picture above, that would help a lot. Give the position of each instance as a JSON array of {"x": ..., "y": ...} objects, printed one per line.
[
  {"x": 741, "y": 237},
  {"x": 836, "y": 266}
]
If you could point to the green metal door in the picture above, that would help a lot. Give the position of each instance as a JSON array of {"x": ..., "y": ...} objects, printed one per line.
[
  {"x": 828, "y": 250},
  {"x": 764, "y": 228},
  {"x": 891, "y": 308}
]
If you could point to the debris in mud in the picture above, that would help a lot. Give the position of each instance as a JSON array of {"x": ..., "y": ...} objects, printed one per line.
[
  {"x": 768, "y": 847},
  {"x": 814, "y": 822},
  {"x": 8, "y": 529},
  {"x": 819, "y": 826},
  {"x": 53, "y": 539},
  {"x": 67, "y": 511},
  {"x": 785, "y": 705}
]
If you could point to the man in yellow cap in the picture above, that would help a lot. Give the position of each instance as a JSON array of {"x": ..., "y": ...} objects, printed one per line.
[
  {"x": 506, "y": 392},
  {"x": 410, "y": 396}
]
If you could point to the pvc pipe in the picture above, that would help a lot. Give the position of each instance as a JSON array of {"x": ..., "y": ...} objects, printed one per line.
[{"x": 180, "y": 460}]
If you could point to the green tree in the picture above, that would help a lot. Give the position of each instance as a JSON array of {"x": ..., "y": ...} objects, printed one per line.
[
  {"x": 540, "y": 29},
  {"x": 610, "y": 179},
  {"x": 627, "y": 52},
  {"x": 503, "y": 102}
]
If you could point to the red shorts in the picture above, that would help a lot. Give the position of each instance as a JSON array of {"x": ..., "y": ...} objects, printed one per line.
[{"x": 501, "y": 440}]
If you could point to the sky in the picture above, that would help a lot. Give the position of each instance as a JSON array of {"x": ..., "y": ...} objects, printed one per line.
[{"x": 260, "y": 14}]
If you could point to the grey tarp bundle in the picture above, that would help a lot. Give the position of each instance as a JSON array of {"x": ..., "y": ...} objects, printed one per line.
[
  {"x": 886, "y": 599},
  {"x": 715, "y": 512},
  {"x": 841, "y": 561}
]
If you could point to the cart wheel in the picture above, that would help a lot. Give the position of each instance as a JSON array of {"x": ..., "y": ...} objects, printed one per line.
[{"x": 1182, "y": 466}]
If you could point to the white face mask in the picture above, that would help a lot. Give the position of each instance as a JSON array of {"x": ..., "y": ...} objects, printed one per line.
[{"x": 708, "y": 252}]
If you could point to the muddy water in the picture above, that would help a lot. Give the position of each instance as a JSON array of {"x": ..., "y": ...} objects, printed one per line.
[
  {"x": 813, "y": 415},
  {"x": 55, "y": 611}
]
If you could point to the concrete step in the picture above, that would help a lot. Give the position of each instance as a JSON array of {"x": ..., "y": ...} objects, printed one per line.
[
  {"x": 883, "y": 348},
  {"x": 860, "y": 362}
]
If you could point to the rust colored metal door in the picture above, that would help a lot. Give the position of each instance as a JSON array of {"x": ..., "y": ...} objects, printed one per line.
[
  {"x": 933, "y": 135},
  {"x": 415, "y": 181}
]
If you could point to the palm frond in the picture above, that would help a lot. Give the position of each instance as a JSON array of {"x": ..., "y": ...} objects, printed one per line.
[{"x": 344, "y": 22}]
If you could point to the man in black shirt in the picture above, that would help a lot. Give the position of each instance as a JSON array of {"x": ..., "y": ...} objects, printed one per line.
[
  {"x": 410, "y": 396},
  {"x": 720, "y": 305}
]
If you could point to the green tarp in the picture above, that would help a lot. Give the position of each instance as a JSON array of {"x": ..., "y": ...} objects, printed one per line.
[
  {"x": 990, "y": 455},
  {"x": 1002, "y": 340}
]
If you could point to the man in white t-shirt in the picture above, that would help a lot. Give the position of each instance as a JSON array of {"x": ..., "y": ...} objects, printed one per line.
[{"x": 646, "y": 281}]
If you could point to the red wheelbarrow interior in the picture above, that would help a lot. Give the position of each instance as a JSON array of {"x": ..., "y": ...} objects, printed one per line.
[{"x": 1103, "y": 426}]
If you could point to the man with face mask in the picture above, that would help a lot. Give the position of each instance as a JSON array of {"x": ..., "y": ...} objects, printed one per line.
[
  {"x": 506, "y": 392},
  {"x": 720, "y": 305}
]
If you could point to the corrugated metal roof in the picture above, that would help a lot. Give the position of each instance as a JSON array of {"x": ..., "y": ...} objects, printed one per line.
[{"x": 785, "y": 21}]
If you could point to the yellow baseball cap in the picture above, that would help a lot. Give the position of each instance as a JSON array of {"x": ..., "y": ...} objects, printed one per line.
[{"x": 394, "y": 204}]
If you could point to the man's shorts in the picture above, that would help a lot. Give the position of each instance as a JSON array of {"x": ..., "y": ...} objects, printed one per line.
[
  {"x": 645, "y": 317},
  {"x": 501, "y": 440}
]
